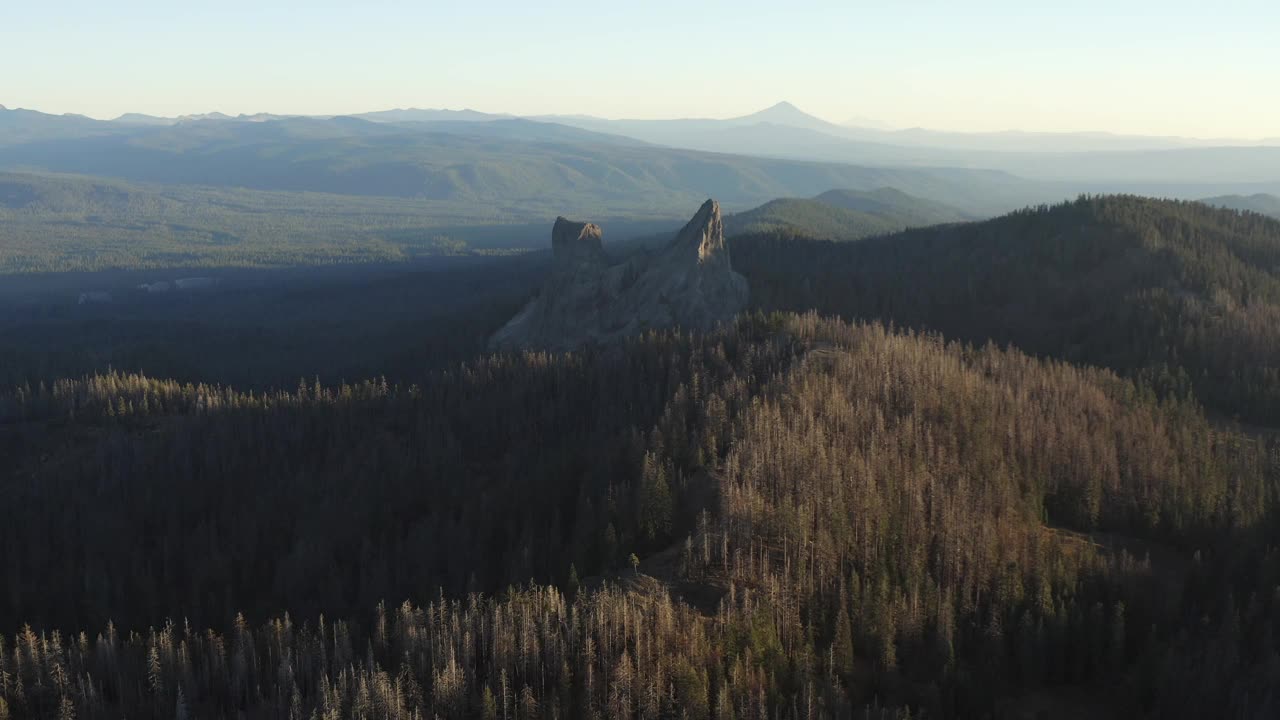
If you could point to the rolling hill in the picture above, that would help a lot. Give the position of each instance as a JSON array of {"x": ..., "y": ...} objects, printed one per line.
[
  {"x": 843, "y": 214},
  {"x": 893, "y": 203}
]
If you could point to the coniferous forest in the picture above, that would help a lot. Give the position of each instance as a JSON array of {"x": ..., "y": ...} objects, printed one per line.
[
  {"x": 1024, "y": 467},
  {"x": 1183, "y": 294}
]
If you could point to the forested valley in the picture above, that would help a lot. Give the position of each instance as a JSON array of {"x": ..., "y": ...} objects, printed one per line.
[{"x": 981, "y": 470}]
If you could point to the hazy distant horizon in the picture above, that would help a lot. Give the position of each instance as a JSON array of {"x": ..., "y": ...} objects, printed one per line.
[
  {"x": 1152, "y": 68},
  {"x": 860, "y": 122}
]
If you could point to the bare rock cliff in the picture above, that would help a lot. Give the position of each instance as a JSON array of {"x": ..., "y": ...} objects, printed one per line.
[{"x": 577, "y": 244}]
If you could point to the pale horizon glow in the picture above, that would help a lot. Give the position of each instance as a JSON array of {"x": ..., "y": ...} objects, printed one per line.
[{"x": 1144, "y": 67}]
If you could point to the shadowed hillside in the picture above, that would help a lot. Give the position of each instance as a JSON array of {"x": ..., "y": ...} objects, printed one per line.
[{"x": 1183, "y": 294}]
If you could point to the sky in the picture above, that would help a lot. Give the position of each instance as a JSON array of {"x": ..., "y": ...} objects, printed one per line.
[{"x": 1166, "y": 67}]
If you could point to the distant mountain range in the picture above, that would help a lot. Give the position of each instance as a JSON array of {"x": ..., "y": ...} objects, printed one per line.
[
  {"x": 448, "y": 154},
  {"x": 784, "y": 114},
  {"x": 398, "y": 115},
  {"x": 502, "y": 162},
  {"x": 1259, "y": 203},
  {"x": 785, "y": 131}
]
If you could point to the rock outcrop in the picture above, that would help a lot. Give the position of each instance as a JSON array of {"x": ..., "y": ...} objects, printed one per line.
[
  {"x": 690, "y": 284},
  {"x": 576, "y": 243}
]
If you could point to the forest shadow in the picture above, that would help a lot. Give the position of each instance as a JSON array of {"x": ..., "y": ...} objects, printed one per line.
[{"x": 260, "y": 328}]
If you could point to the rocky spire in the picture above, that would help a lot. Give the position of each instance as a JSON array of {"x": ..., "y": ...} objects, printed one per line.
[
  {"x": 704, "y": 235},
  {"x": 585, "y": 300},
  {"x": 576, "y": 243}
]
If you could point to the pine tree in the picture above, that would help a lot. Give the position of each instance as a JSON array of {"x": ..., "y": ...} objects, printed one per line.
[
  {"x": 842, "y": 645},
  {"x": 1117, "y": 648},
  {"x": 573, "y": 583},
  {"x": 655, "y": 504},
  {"x": 488, "y": 705}
]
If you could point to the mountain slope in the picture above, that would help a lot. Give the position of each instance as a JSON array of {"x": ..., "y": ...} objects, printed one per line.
[{"x": 1179, "y": 292}]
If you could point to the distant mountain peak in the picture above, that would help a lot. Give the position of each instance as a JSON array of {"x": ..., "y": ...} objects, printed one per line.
[
  {"x": 783, "y": 109},
  {"x": 784, "y": 113}
]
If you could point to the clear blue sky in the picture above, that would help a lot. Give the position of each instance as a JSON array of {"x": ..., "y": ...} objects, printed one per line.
[{"x": 1148, "y": 66}]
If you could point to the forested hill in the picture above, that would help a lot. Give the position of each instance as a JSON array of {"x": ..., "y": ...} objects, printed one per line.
[
  {"x": 891, "y": 202},
  {"x": 843, "y": 215},
  {"x": 791, "y": 517},
  {"x": 1180, "y": 293}
]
